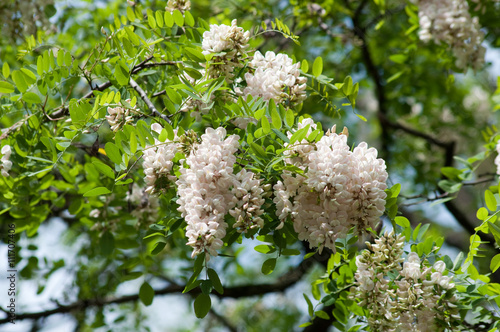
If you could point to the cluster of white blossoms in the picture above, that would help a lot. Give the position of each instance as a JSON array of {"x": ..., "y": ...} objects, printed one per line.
[
  {"x": 449, "y": 21},
  {"x": 204, "y": 190},
  {"x": 118, "y": 117},
  {"x": 5, "y": 163},
  {"x": 275, "y": 77},
  {"x": 158, "y": 162},
  {"x": 227, "y": 44},
  {"x": 145, "y": 207},
  {"x": 181, "y": 5},
  {"x": 248, "y": 198},
  {"x": 497, "y": 159},
  {"x": 412, "y": 298},
  {"x": 337, "y": 191}
]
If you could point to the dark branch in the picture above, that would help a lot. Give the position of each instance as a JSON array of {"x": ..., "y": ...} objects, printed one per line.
[
  {"x": 148, "y": 102},
  {"x": 284, "y": 282}
]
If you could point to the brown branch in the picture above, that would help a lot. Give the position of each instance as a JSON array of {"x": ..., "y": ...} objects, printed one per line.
[
  {"x": 284, "y": 282},
  {"x": 148, "y": 102}
]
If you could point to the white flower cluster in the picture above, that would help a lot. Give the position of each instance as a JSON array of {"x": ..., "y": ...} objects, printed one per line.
[
  {"x": 276, "y": 77},
  {"x": 337, "y": 191},
  {"x": 118, "y": 117},
  {"x": 181, "y": 5},
  {"x": 158, "y": 163},
  {"x": 227, "y": 44},
  {"x": 449, "y": 21},
  {"x": 204, "y": 190},
  {"x": 497, "y": 159},
  {"x": 248, "y": 198},
  {"x": 145, "y": 206},
  {"x": 410, "y": 300},
  {"x": 5, "y": 163}
]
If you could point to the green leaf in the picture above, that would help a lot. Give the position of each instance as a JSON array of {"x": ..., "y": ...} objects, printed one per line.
[
  {"x": 347, "y": 87},
  {"x": 310, "y": 307},
  {"x": 146, "y": 294},
  {"x": 304, "y": 66},
  {"x": 289, "y": 118},
  {"x": 275, "y": 116},
  {"x": 107, "y": 243},
  {"x": 18, "y": 79},
  {"x": 202, "y": 305},
  {"x": 402, "y": 221},
  {"x": 151, "y": 21},
  {"x": 395, "y": 76},
  {"x": 130, "y": 14},
  {"x": 482, "y": 214},
  {"x": 159, "y": 18},
  {"x": 265, "y": 249},
  {"x": 268, "y": 266},
  {"x": 178, "y": 18},
  {"x": 258, "y": 149},
  {"x": 6, "y": 87},
  {"x": 194, "y": 54},
  {"x": 299, "y": 135},
  {"x": 317, "y": 66},
  {"x": 266, "y": 127},
  {"x": 31, "y": 97},
  {"x": 398, "y": 58},
  {"x": 212, "y": 275},
  {"x": 495, "y": 263},
  {"x": 97, "y": 192},
  {"x": 113, "y": 153},
  {"x": 491, "y": 202},
  {"x": 121, "y": 74},
  {"x": 104, "y": 169},
  {"x": 321, "y": 314},
  {"x": 290, "y": 252},
  {"x": 188, "y": 18},
  {"x": 169, "y": 19},
  {"x": 49, "y": 10},
  {"x": 5, "y": 70}
]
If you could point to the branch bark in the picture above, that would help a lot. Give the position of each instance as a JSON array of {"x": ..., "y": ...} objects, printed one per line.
[{"x": 148, "y": 102}]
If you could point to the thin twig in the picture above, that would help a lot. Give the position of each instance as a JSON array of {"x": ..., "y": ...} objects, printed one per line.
[{"x": 148, "y": 102}]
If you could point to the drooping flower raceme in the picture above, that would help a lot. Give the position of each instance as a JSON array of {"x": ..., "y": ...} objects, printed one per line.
[
  {"x": 449, "y": 21},
  {"x": 497, "y": 159},
  {"x": 118, "y": 117},
  {"x": 248, "y": 198},
  {"x": 145, "y": 207},
  {"x": 204, "y": 190},
  {"x": 337, "y": 191},
  {"x": 158, "y": 161},
  {"x": 410, "y": 297},
  {"x": 181, "y": 5},
  {"x": 227, "y": 44},
  {"x": 276, "y": 77},
  {"x": 5, "y": 163}
]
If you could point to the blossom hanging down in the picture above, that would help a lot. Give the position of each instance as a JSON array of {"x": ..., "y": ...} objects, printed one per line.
[
  {"x": 158, "y": 161},
  {"x": 248, "y": 198},
  {"x": 118, "y": 117},
  {"x": 403, "y": 298},
  {"x": 338, "y": 190},
  {"x": 227, "y": 44},
  {"x": 449, "y": 21},
  {"x": 204, "y": 190},
  {"x": 497, "y": 159},
  {"x": 181, "y": 5},
  {"x": 5, "y": 163},
  {"x": 275, "y": 77}
]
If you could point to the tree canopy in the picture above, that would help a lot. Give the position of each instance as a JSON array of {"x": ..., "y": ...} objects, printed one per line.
[{"x": 250, "y": 165}]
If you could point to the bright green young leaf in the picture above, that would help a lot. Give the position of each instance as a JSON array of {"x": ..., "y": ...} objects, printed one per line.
[
  {"x": 31, "y": 97},
  {"x": 5, "y": 70},
  {"x": 178, "y": 17},
  {"x": 113, "y": 153},
  {"x": 491, "y": 201},
  {"x": 97, "y": 192},
  {"x": 6, "y": 87},
  {"x": 317, "y": 66}
]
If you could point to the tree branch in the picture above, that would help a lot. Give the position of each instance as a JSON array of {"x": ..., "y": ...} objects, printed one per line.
[
  {"x": 284, "y": 282},
  {"x": 148, "y": 102}
]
